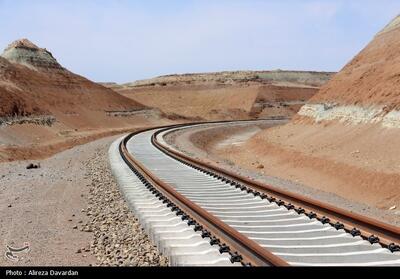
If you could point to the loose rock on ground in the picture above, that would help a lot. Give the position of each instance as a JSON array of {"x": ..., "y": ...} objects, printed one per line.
[{"x": 119, "y": 240}]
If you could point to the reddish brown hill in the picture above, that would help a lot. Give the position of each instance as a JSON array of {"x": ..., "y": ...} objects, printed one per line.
[
  {"x": 345, "y": 140},
  {"x": 372, "y": 77},
  {"x": 227, "y": 95},
  {"x": 13, "y": 100},
  {"x": 32, "y": 81},
  {"x": 45, "y": 108}
]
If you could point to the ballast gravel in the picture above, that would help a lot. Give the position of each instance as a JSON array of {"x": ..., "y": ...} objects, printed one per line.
[
  {"x": 70, "y": 212},
  {"x": 119, "y": 240}
]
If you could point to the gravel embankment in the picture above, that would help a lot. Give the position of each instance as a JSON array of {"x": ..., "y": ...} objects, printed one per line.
[
  {"x": 71, "y": 212},
  {"x": 118, "y": 237}
]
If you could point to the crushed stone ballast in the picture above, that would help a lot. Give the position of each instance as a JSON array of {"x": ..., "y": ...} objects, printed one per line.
[{"x": 174, "y": 237}]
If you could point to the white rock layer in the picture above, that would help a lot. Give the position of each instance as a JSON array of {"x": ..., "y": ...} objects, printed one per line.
[{"x": 351, "y": 114}]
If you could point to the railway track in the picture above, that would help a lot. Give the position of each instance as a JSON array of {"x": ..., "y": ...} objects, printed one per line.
[{"x": 199, "y": 214}]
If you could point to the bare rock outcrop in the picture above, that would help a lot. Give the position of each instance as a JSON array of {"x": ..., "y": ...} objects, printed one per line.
[{"x": 25, "y": 52}]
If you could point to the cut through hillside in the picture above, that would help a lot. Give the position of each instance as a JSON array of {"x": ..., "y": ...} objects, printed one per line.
[
  {"x": 227, "y": 95},
  {"x": 345, "y": 140}
]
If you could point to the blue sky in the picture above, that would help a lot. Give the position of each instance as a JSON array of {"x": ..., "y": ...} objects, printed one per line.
[{"x": 125, "y": 40}]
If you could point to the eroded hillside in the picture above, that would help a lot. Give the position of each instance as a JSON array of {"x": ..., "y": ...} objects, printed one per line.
[
  {"x": 226, "y": 95},
  {"x": 366, "y": 90},
  {"x": 345, "y": 141},
  {"x": 45, "y": 107}
]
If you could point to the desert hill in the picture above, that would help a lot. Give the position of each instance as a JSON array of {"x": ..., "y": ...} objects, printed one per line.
[
  {"x": 367, "y": 89},
  {"x": 44, "y": 103},
  {"x": 227, "y": 95},
  {"x": 13, "y": 100},
  {"x": 36, "y": 78},
  {"x": 294, "y": 78},
  {"x": 345, "y": 140}
]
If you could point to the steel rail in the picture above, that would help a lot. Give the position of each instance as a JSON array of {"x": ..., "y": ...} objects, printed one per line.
[
  {"x": 250, "y": 250},
  {"x": 369, "y": 227}
]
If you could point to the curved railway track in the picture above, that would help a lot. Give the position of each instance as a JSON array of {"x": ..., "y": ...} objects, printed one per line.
[{"x": 247, "y": 222}]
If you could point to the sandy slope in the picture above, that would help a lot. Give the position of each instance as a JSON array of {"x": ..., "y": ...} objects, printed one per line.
[
  {"x": 203, "y": 102},
  {"x": 372, "y": 77},
  {"x": 340, "y": 141},
  {"x": 29, "y": 141},
  {"x": 350, "y": 162},
  {"x": 227, "y": 95},
  {"x": 50, "y": 87},
  {"x": 34, "y": 87},
  {"x": 232, "y": 147}
]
